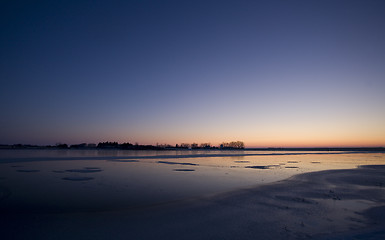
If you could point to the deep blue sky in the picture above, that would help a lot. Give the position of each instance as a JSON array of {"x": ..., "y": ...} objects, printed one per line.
[{"x": 270, "y": 73}]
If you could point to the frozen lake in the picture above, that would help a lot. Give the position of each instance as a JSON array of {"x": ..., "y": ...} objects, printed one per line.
[{"x": 93, "y": 180}]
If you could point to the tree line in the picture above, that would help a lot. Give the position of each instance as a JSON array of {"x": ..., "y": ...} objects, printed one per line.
[{"x": 131, "y": 146}]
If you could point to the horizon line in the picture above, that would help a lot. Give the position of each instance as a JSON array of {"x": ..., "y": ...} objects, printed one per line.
[{"x": 212, "y": 146}]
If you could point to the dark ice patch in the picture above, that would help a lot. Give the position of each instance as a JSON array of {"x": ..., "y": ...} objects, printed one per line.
[
  {"x": 258, "y": 167},
  {"x": 183, "y": 170},
  {"x": 84, "y": 170},
  {"x": 124, "y": 160},
  {"x": 78, "y": 178},
  {"x": 177, "y": 163}
]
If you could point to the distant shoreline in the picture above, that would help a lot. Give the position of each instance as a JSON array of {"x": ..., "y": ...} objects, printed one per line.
[
  {"x": 353, "y": 149},
  {"x": 155, "y": 148}
]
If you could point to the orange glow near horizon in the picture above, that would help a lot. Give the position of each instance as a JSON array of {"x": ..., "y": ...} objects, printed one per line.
[{"x": 273, "y": 142}]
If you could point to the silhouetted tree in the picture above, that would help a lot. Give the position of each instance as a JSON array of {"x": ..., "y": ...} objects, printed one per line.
[
  {"x": 126, "y": 145},
  {"x": 194, "y": 145},
  {"x": 205, "y": 145},
  {"x": 233, "y": 145},
  {"x": 108, "y": 145},
  {"x": 62, "y": 146},
  {"x": 82, "y": 145},
  {"x": 185, "y": 145}
]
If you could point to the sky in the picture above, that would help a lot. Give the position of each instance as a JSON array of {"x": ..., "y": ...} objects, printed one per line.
[{"x": 269, "y": 73}]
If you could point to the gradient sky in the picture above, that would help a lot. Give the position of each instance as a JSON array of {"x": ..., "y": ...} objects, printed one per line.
[{"x": 269, "y": 73}]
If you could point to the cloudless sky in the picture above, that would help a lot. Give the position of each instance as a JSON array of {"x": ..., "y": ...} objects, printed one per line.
[{"x": 269, "y": 73}]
